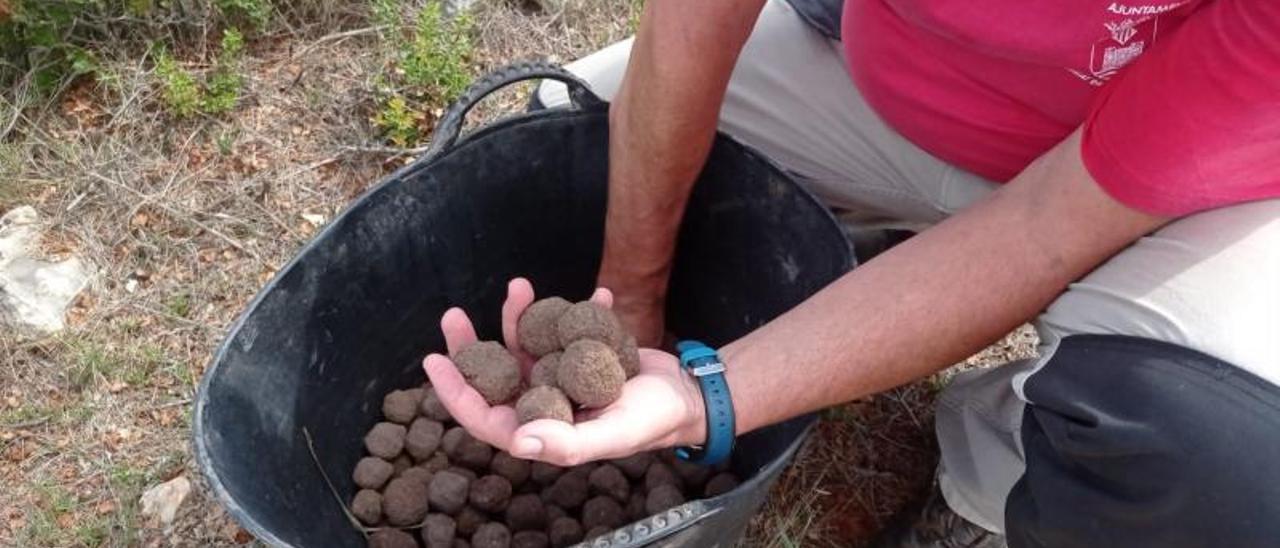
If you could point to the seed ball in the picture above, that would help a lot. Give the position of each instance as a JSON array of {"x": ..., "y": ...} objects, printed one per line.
[
  {"x": 385, "y": 440},
  {"x": 635, "y": 507},
  {"x": 423, "y": 438},
  {"x": 515, "y": 470},
  {"x": 537, "y": 328},
  {"x": 459, "y": 543},
  {"x": 367, "y": 507},
  {"x": 692, "y": 476},
  {"x": 608, "y": 480},
  {"x": 372, "y": 473},
  {"x": 464, "y": 472},
  {"x": 392, "y": 538},
  {"x": 544, "y": 370},
  {"x": 438, "y": 531},
  {"x": 568, "y": 491},
  {"x": 469, "y": 520},
  {"x": 543, "y": 473},
  {"x": 721, "y": 484},
  {"x": 530, "y": 539},
  {"x": 401, "y": 406},
  {"x": 491, "y": 493},
  {"x": 526, "y": 512},
  {"x": 663, "y": 497},
  {"x": 660, "y": 474},
  {"x": 544, "y": 402},
  {"x": 402, "y": 463},
  {"x": 417, "y": 474},
  {"x": 602, "y": 512},
  {"x": 448, "y": 492},
  {"x": 634, "y": 466},
  {"x": 588, "y": 320},
  {"x": 554, "y": 512},
  {"x": 629, "y": 356},
  {"x": 438, "y": 461},
  {"x": 405, "y": 502},
  {"x": 590, "y": 374},
  {"x": 491, "y": 535},
  {"x": 598, "y": 531},
  {"x": 432, "y": 408},
  {"x": 466, "y": 450},
  {"x": 490, "y": 369},
  {"x": 565, "y": 532}
]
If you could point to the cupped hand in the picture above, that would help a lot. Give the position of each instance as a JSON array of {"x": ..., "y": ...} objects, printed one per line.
[{"x": 660, "y": 407}]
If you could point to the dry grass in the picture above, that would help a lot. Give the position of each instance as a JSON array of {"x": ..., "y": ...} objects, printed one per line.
[{"x": 184, "y": 220}]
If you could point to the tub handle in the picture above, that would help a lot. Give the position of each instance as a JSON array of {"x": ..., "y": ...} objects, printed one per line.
[
  {"x": 450, "y": 124},
  {"x": 654, "y": 528}
]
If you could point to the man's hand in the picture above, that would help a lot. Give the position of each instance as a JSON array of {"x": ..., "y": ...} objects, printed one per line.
[{"x": 660, "y": 407}]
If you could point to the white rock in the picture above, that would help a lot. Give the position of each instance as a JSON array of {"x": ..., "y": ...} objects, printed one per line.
[
  {"x": 34, "y": 294},
  {"x": 162, "y": 501}
]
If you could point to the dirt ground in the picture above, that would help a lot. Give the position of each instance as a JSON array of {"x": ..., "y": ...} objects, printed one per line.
[{"x": 184, "y": 220}]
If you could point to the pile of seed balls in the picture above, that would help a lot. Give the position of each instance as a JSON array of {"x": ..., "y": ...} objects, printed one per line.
[{"x": 426, "y": 482}]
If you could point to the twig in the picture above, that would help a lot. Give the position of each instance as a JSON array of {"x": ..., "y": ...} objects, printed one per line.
[
  {"x": 177, "y": 403},
  {"x": 311, "y": 447},
  {"x": 337, "y": 36},
  {"x": 394, "y": 151},
  {"x": 25, "y": 424}
]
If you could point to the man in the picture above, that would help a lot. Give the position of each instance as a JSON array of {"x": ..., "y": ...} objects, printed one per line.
[{"x": 1109, "y": 169}]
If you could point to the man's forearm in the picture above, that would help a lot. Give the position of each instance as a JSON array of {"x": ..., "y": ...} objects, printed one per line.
[
  {"x": 936, "y": 298},
  {"x": 661, "y": 127}
]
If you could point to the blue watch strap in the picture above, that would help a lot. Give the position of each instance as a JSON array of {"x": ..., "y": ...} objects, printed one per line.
[{"x": 704, "y": 364}]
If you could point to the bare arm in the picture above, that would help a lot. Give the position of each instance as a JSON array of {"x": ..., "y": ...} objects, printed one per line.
[
  {"x": 661, "y": 127},
  {"x": 935, "y": 299}
]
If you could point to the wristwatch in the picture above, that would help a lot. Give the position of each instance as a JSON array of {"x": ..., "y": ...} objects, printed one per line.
[{"x": 704, "y": 364}]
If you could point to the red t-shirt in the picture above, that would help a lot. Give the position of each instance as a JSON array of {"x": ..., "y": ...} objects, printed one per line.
[{"x": 1180, "y": 100}]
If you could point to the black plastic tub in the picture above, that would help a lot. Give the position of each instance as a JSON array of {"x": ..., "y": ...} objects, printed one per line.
[{"x": 352, "y": 315}]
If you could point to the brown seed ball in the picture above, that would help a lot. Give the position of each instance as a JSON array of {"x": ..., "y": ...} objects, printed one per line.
[
  {"x": 544, "y": 370},
  {"x": 720, "y": 484},
  {"x": 662, "y": 498},
  {"x": 515, "y": 470},
  {"x": 588, "y": 320},
  {"x": 564, "y": 532},
  {"x": 660, "y": 474},
  {"x": 448, "y": 492},
  {"x": 459, "y": 543},
  {"x": 491, "y": 493},
  {"x": 469, "y": 520},
  {"x": 451, "y": 439},
  {"x": 392, "y": 538},
  {"x": 598, "y": 531},
  {"x": 417, "y": 474},
  {"x": 629, "y": 356},
  {"x": 402, "y": 463},
  {"x": 385, "y": 440},
  {"x": 537, "y": 328},
  {"x": 367, "y": 507},
  {"x": 554, "y": 512},
  {"x": 603, "y": 512},
  {"x": 438, "y": 531},
  {"x": 634, "y": 466},
  {"x": 405, "y": 502},
  {"x": 635, "y": 507},
  {"x": 543, "y": 473},
  {"x": 490, "y": 369},
  {"x": 608, "y": 480},
  {"x": 590, "y": 374},
  {"x": 692, "y": 476},
  {"x": 432, "y": 408},
  {"x": 423, "y": 438},
  {"x": 544, "y": 402},
  {"x": 401, "y": 406},
  {"x": 372, "y": 472},
  {"x": 491, "y": 535},
  {"x": 464, "y": 472},
  {"x": 526, "y": 512},
  {"x": 466, "y": 450},
  {"x": 530, "y": 539},
  {"x": 568, "y": 491},
  {"x": 438, "y": 461}
]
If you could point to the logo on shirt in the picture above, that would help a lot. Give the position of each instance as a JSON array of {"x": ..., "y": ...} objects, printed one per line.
[{"x": 1126, "y": 40}]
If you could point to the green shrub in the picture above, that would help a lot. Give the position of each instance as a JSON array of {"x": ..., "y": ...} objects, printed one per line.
[
  {"x": 255, "y": 12},
  {"x": 435, "y": 62},
  {"x": 400, "y": 124},
  {"x": 184, "y": 96},
  {"x": 177, "y": 86}
]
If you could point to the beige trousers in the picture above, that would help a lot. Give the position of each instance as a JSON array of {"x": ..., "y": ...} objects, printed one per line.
[{"x": 1210, "y": 282}]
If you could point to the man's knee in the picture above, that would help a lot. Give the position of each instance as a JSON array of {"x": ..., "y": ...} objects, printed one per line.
[{"x": 1134, "y": 442}]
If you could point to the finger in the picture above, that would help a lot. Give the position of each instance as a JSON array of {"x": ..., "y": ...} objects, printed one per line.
[
  {"x": 492, "y": 425},
  {"x": 519, "y": 297},
  {"x": 603, "y": 297},
  {"x": 458, "y": 331},
  {"x": 565, "y": 444}
]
